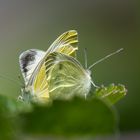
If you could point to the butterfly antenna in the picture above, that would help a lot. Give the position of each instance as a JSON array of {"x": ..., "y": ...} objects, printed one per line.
[
  {"x": 85, "y": 56},
  {"x": 10, "y": 79},
  {"x": 20, "y": 79},
  {"x": 106, "y": 57}
]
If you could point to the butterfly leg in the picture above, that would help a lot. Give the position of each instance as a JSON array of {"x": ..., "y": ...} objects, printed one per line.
[{"x": 94, "y": 84}]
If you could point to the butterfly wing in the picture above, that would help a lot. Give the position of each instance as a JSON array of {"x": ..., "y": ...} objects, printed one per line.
[
  {"x": 36, "y": 81},
  {"x": 28, "y": 61},
  {"x": 66, "y": 43},
  {"x": 66, "y": 77}
]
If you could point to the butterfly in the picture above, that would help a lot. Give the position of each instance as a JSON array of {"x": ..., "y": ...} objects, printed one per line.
[
  {"x": 67, "y": 77},
  {"x": 33, "y": 69},
  {"x": 57, "y": 73}
]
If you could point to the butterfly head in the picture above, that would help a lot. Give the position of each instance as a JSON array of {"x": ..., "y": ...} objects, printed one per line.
[{"x": 88, "y": 72}]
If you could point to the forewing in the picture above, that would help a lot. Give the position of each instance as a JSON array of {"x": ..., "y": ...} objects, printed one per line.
[
  {"x": 28, "y": 62},
  {"x": 66, "y": 43},
  {"x": 66, "y": 77},
  {"x": 40, "y": 85}
]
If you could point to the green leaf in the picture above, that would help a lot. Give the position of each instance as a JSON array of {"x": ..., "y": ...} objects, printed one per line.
[
  {"x": 7, "y": 125},
  {"x": 71, "y": 118},
  {"x": 112, "y": 93},
  {"x": 9, "y": 121},
  {"x": 76, "y": 117}
]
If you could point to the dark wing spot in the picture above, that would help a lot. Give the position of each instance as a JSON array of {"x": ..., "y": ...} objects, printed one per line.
[{"x": 27, "y": 59}]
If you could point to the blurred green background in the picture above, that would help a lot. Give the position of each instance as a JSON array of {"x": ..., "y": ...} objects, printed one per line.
[{"x": 103, "y": 27}]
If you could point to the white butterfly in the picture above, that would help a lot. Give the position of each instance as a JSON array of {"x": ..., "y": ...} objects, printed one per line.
[
  {"x": 33, "y": 68},
  {"x": 67, "y": 77},
  {"x": 56, "y": 73}
]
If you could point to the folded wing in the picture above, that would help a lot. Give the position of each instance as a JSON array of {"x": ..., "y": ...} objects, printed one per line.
[
  {"x": 66, "y": 77},
  {"x": 66, "y": 44},
  {"x": 28, "y": 61}
]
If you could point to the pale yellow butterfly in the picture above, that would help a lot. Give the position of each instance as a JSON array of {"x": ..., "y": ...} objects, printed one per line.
[
  {"x": 33, "y": 67},
  {"x": 66, "y": 76}
]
